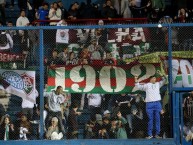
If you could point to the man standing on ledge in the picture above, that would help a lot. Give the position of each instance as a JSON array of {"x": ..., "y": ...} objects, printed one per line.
[{"x": 153, "y": 103}]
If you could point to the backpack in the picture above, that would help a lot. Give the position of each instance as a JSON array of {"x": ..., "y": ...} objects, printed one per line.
[{"x": 3, "y": 39}]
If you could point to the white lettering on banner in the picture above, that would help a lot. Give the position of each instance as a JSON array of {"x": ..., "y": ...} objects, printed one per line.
[
  {"x": 105, "y": 79},
  {"x": 5, "y": 57},
  {"x": 120, "y": 79},
  {"x": 90, "y": 78},
  {"x": 137, "y": 71},
  {"x": 185, "y": 79}
]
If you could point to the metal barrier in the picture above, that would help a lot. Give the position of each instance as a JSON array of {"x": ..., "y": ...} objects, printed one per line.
[{"x": 96, "y": 67}]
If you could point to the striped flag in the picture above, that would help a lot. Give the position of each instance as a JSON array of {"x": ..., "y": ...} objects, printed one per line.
[{"x": 99, "y": 79}]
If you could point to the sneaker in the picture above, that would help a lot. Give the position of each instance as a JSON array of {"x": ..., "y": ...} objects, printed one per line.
[
  {"x": 149, "y": 137},
  {"x": 157, "y": 136}
]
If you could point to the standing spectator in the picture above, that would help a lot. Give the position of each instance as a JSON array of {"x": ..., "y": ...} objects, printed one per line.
[
  {"x": 108, "y": 11},
  {"x": 22, "y": 4},
  {"x": 65, "y": 13},
  {"x": 2, "y": 12},
  {"x": 122, "y": 8},
  {"x": 94, "y": 102},
  {"x": 123, "y": 102},
  {"x": 22, "y": 20},
  {"x": 158, "y": 7},
  {"x": 62, "y": 36},
  {"x": 73, "y": 11},
  {"x": 55, "y": 14},
  {"x": 6, "y": 42},
  {"x": 42, "y": 13},
  {"x": 188, "y": 107},
  {"x": 55, "y": 99},
  {"x": 27, "y": 106},
  {"x": 34, "y": 45},
  {"x": 7, "y": 130},
  {"x": 153, "y": 103},
  {"x": 12, "y": 33},
  {"x": 72, "y": 121}
]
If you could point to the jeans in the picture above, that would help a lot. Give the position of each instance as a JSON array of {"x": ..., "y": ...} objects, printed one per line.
[{"x": 153, "y": 112}]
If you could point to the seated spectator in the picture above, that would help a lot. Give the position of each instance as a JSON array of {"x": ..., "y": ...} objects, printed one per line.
[
  {"x": 89, "y": 134},
  {"x": 6, "y": 42},
  {"x": 24, "y": 128},
  {"x": 42, "y": 13},
  {"x": 117, "y": 130},
  {"x": 53, "y": 128},
  {"x": 7, "y": 129},
  {"x": 72, "y": 60},
  {"x": 54, "y": 60},
  {"x": 54, "y": 14},
  {"x": 108, "y": 11},
  {"x": 107, "y": 114},
  {"x": 107, "y": 124},
  {"x": 63, "y": 56},
  {"x": 103, "y": 134},
  {"x": 98, "y": 124},
  {"x": 109, "y": 60}
]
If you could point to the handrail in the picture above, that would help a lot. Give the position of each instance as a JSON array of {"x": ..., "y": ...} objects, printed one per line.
[{"x": 95, "y": 21}]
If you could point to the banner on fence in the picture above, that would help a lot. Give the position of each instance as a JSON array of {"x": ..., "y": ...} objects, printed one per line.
[
  {"x": 99, "y": 79},
  {"x": 7, "y": 57},
  {"x": 116, "y": 79},
  {"x": 19, "y": 82}
]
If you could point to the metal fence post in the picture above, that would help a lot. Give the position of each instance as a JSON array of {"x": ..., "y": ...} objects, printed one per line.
[{"x": 41, "y": 54}]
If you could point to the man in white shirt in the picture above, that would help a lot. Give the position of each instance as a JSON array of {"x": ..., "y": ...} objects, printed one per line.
[
  {"x": 55, "y": 99},
  {"x": 22, "y": 20},
  {"x": 94, "y": 103},
  {"x": 153, "y": 103},
  {"x": 27, "y": 106}
]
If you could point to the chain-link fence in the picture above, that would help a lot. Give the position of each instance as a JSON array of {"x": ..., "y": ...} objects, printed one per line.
[{"x": 101, "y": 82}]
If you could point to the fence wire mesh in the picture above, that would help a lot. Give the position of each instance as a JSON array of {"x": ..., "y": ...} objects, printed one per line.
[{"x": 89, "y": 75}]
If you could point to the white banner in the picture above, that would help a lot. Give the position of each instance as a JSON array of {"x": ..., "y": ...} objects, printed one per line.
[{"x": 19, "y": 82}]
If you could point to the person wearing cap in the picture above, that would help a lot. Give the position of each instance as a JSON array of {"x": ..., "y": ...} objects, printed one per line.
[
  {"x": 107, "y": 114},
  {"x": 53, "y": 128},
  {"x": 153, "y": 103}
]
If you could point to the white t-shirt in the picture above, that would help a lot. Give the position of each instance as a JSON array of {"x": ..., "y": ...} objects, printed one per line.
[
  {"x": 152, "y": 90},
  {"x": 94, "y": 100}
]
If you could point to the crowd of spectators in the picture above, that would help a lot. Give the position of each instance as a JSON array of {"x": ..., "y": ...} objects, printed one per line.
[
  {"x": 119, "y": 116},
  {"x": 153, "y": 10}
]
